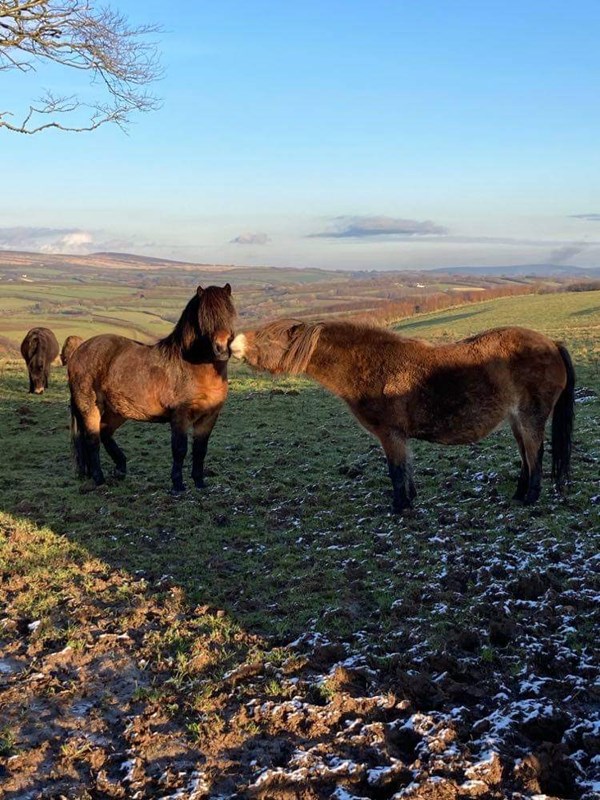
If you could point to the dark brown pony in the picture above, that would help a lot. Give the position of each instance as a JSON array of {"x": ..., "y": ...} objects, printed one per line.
[
  {"x": 71, "y": 344},
  {"x": 452, "y": 393},
  {"x": 39, "y": 348},
  {"x": 182, "y": 379}
]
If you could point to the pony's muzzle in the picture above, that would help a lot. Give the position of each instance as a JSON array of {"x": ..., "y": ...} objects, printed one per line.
[
  {"x": 220, "y": 346},
  {"x": 238, "y": 346}
]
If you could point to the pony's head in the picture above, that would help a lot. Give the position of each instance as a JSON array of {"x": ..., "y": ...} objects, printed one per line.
[
  {"x": 282, "y": 346},
  {"x": 71, "y": 344},
  {"x": 206, "y": 327},
  {"x": 38, "y": 374},
  {"x": 216, "y": 318}
]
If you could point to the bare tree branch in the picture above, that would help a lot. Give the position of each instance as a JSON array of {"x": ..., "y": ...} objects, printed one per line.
[{"x": 121, "y": 59}]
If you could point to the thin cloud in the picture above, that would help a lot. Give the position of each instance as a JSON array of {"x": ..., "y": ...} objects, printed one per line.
[
  {"x": 68, "y": 241},
  {"x": 587, "y": 217},
  {"x": 76, "y": 242},
  {"x": 251, "y": 238},
  {"x": 563, "y": 254},
  {"x": 365, "y": 227},
  {"x": 44, "y": 240}
]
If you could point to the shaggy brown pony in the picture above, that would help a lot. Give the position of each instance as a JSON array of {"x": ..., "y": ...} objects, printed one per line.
[
  {"x": 182, "y": 380},
  {"x": 39, "y": 348},
  {"x": 71, "y": 344},
  {"x": 457, "y": 393}
]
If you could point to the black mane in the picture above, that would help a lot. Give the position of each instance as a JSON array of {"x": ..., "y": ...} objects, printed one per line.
[{"x": 208, "y": 310}]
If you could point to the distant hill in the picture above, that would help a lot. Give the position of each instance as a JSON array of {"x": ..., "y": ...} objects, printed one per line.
[
  {"x": 20, "y": 260},
  {"x": 12, "y": 258},
  {"x": 522, "y": 270}
]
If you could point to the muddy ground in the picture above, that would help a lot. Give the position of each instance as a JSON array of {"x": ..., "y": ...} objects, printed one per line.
[{"x": 308, "y": 649}]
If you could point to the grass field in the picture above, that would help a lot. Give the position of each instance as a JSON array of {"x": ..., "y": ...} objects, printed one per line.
[
  {"x": 132, "y": 297},
  {"x": 281, "y": 633}
]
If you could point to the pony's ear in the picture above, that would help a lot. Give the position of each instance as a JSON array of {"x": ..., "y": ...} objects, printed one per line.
[
  {"x": 227, "y": 288},
  {"x": 199, "y": 291}
]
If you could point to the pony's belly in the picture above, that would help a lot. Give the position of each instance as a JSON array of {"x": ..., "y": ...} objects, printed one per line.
[
  {"x": 461, "y": 431},
  {"x": 131, "y": 408}
]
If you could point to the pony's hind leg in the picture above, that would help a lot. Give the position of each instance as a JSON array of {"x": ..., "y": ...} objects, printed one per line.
[
  {"x": 399, "y": 468},
  {"x": 523, "y": 482},
  {"x": 78, "y": 440},
  {"x": 91, "y": 432},
  {"x": 91, "y": 424},
  {"x": 530, "y": 437},
  {"x": 109, "y": 424}
]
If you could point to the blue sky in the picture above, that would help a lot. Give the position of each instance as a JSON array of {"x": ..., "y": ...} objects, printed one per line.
[{"x": 362, "y": 135}]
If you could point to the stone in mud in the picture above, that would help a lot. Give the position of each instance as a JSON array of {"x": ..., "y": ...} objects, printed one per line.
[
  {"x": 530, "y": 586},
  {"x": 325, "y": 655},
  {"x": 347, "y": 680},
  {"x": 433, "y": 789},
  {"x": 502, "y": 631},
  {"x": 548, "y": 771},
  {"x": 419, "y": 688},
  {"x": 546, "y": 727},
  {"x": 489, "y": 770}
]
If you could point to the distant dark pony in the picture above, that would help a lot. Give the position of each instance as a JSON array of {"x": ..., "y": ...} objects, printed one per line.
[
  {"x": 402, "y": 389},
  {"x": 71, "y": 344},
  {"x": 182, "y": 380},
  {"x": 39, "y": 348}
]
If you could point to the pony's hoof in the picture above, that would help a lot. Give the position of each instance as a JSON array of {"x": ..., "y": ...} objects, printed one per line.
[
  {"x": 403, "y": 508},
  {"x": 119, "y": 474},
  {"x": 87, "y": 486},
  {"x": 199, "y": 484},
  {"x": 177, "y": 491}
]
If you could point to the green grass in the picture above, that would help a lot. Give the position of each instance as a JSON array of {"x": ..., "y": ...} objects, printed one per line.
[
  {"x": 574, "y": 317},
  {"x": 296, "y": 489},
  {"x": 293, "y": 535}
]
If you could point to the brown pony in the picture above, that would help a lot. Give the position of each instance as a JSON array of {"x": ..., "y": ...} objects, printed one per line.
[
  {"x": 452, "y": 393},
  {"x": 71, "y": 344},
  {"x": 39, "y": 348},
  {"x": 182, "y": 379}
]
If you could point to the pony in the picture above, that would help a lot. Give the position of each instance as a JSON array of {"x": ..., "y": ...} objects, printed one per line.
[
  {"x": 181, "y": 379},
  {"x": 71, "y": 344},
  {"x": 400, "y": 389},
  {"x": 39, "y": 348}
]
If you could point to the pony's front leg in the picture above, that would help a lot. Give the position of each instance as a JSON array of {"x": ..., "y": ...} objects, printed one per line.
[
  {"x": 399, "y": 469},
  {"x": 179, "y": 446},
  {"x": 202, "y": 430}
]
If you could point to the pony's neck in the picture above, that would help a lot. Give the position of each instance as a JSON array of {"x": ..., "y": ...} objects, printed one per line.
[
  {"x": 186, "y": 340},
  {"x": 325, "y": 364}
]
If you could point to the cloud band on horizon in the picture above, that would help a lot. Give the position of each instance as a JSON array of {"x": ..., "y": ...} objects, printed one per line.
[
  {"x": 251, "y": 238},
  {"x": 378, "y": 226},
  {"x": 586, "y": 217}
]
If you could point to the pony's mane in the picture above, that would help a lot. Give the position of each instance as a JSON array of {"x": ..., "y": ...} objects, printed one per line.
[
  {"x": 301, "y": 339},
  {"x": 203, "y": 315}
]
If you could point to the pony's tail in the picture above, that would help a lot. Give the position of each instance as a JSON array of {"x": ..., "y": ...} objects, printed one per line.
[
  {"x": 78, "y": 441},
  {"x": 562, "y": 423}
]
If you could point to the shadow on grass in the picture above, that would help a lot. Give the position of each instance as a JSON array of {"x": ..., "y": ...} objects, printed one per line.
[
  {"x": 447, "y": 319},
  {"x": 266, "y": 539},
  {"x": 586, "y": 312},
  {"x": 190, "y": 599}
]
